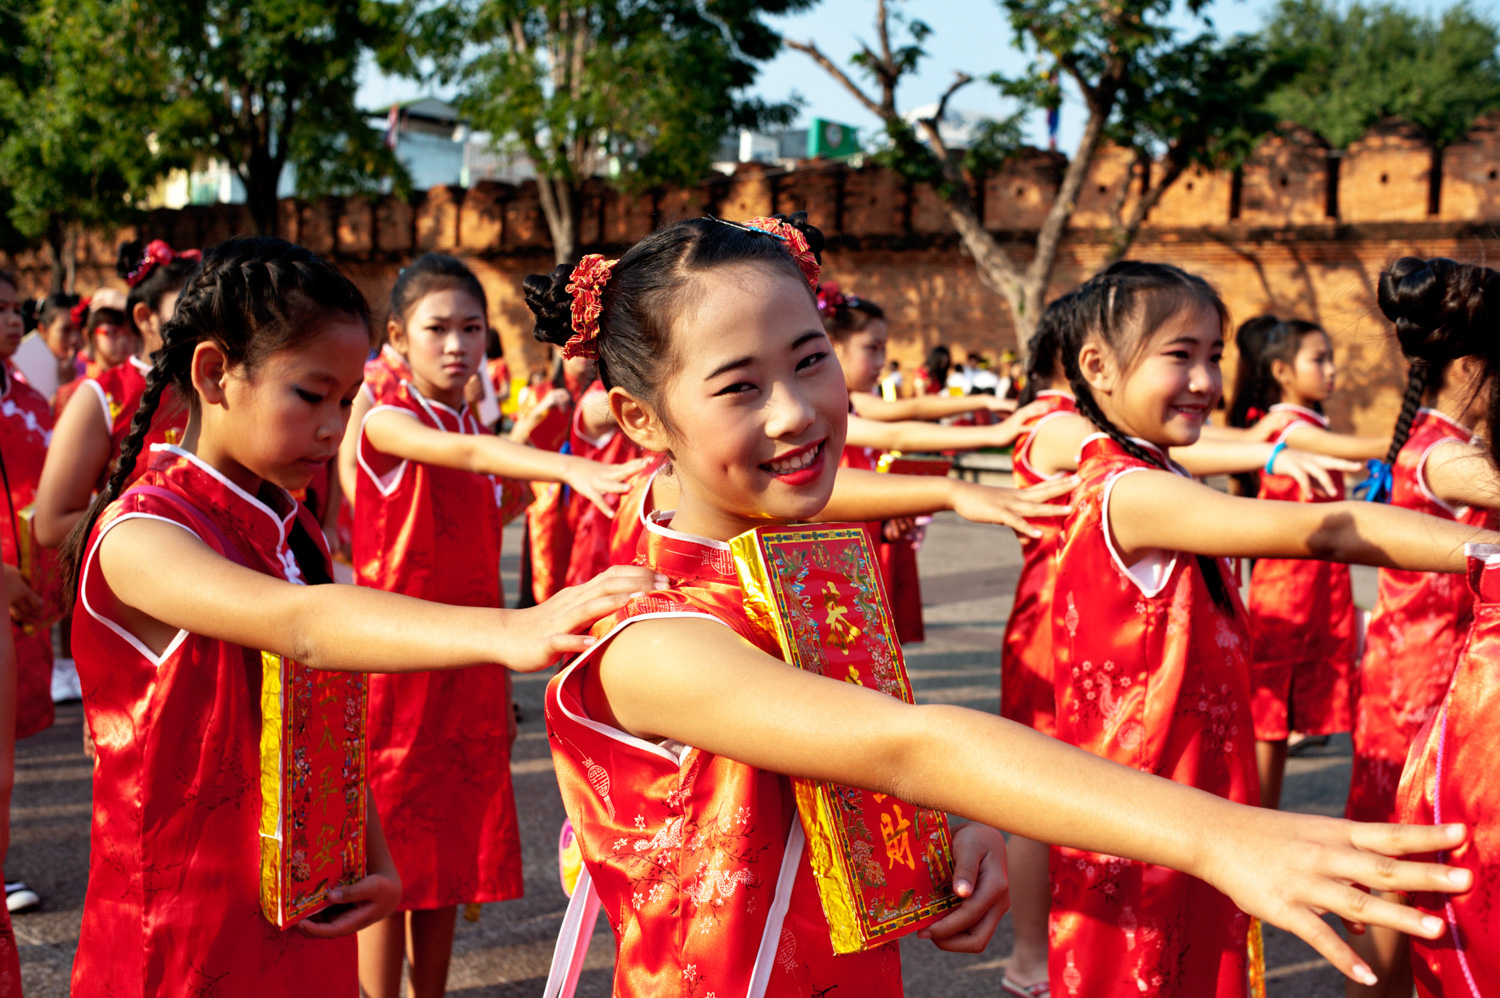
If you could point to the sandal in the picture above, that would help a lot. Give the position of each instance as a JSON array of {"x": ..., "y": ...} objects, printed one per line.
[
  {"x": 19, "y": 898},
  {"x": 1039, "y": 989}
]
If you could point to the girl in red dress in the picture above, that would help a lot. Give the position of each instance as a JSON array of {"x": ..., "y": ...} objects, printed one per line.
[
  {"x": 89, "y": 435},
  {"x": 1164, "y": 686},
  {"x": 1302, "y": 615},
  {"x": 681, "y": 716},
  {"x": 427, "y": 524},
  {"x": 108, "y": 342},
  {"x": 268, "y": 343}
]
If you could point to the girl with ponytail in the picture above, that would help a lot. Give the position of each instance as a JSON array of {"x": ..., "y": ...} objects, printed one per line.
[
  {"x": 184, "y": 578},
  {"x": 1163, "y": 685},
  {"x": 90, "y": 435},
  {"x": 710, "y": 344},
  {"x": 1445, "y": 315}
]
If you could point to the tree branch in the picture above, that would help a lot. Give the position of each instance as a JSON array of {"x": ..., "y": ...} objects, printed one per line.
[{"x": 812, "y": 51}]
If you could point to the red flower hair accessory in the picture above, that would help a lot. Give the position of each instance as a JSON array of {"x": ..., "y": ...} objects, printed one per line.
[
  {"x": 586, "y": 285},
  {"x": 830, "y": 298},
  {"x": 796, "y": 244},
  {"x": 80, "y": 312},
  {"x": 158, "y": 254}
]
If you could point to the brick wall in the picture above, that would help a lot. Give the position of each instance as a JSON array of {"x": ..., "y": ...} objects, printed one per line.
[{"x": 1301, "y": 230}]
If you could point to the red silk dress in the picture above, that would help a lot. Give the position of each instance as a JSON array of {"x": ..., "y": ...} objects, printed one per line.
[
  {"x": 1026, "y": 691},
  {"x": 1302, "y": 633},
  {"x": 589, "y": 553},
  {"x": 629, "y": 525},
  {"x": 173, "y": 903},
  {"x": 25, "y": 434},
  {"x": 118, "y": 392},
  {"x": 699, "y": 860},
  {"x": 1151, "y": 674},
  {"x": 549, "y": 531},
  {"x": 898, "y": 559},
  {"x": 1414, "y": 636},
  {"x": 1451, "y": 776},
  {"x": 439, "y": 742},
  {"x": 384, "y": 372}
]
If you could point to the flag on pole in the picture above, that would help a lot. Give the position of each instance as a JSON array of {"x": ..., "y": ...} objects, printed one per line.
[
  {"x": 393, "y": 127},
  {"x": 1054, "y": 114}
]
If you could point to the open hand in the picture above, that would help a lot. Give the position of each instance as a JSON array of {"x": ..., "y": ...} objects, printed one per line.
[
  {"x": 538, "y": 636},
  {"x": 1005, "y": 432},
  {"x": 980, "y": 878},
  {"x": 1313, "y": 472},
  {"x": 595, "y": 480},
  {"x": 25, "y": 604},
  {"x": 1012, "y": 507},
  {"x": 1288, "y": 869},
  {"x": 368, "y": 900},
  {"x": 1271, "y": 425},
  {"x": 996, "y": 404}
]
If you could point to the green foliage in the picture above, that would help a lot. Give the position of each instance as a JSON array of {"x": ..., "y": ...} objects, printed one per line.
[
  {"x": 1353, "y": 66},
  {"x": 78, "y": 99},
  {"x": 648, "y": 87}
]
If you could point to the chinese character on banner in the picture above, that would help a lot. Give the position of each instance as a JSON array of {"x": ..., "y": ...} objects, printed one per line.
[
  {"x": 897, "y": 835},
  {"x": 841, "y": 633}
]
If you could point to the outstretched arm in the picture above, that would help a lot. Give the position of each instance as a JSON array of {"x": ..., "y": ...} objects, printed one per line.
[
  {"x": 403, "y": 436},
  {"x": 925, "y": 407},
  {"x": 349, "y": 628},
  {"x": 918, "y": 436},
  {"x": 1463, "y": 474},
  {"x": 870, "y": 495},
  {"x": 1157, "y": 510},
  {"x": 1305, "y": 436},
  {"x": 1285, "y": 868}
]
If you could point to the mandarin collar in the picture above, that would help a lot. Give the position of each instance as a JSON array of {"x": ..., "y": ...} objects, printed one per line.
[{"x": 686, "y": 557}]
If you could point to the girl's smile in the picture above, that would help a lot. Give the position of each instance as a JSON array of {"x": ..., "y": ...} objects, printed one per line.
[{"x": 799, "y": 467}]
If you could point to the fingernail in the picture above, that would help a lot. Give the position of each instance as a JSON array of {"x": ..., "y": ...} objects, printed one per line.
[
  {"x": 1459, "y": 877},
  {"x": 1456, "y": 829},
  {"x": 924, "y": 934},
  {"x": 590, "y": 641},
  {"x": 1365, "y": 975},
  {"x": 963, "y": 888},
  {"x": 1431, "y": 923},
  {"x": 336, "y": 895}
]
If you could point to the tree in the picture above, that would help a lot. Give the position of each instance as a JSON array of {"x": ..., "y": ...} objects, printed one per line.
[
  {"x": 78, "y": 99},
  {"x": 640, "y": 89},
  {"x": 271, "y": 83},
  {"x": 1189, "y": 101},
  {"x": 1362, "y": 63}
]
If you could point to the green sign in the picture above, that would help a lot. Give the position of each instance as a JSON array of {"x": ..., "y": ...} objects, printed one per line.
[{"x": 831, "y": 140}]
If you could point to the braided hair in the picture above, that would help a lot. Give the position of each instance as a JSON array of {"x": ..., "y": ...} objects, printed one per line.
[
  {"x": 648, "y": 287},
  {"x": 1044, "y": 349},
  {"x": 250, "y": 297},
  {"x": 1442, "y": 310},
  {"x": 1130, "y": 295}
]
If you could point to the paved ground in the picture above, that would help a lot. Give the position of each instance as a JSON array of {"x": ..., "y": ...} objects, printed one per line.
[{"x": 968, "y": 573}]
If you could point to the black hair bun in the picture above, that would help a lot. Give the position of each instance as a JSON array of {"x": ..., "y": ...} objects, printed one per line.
[
  {"x": 550, "y": 301},
  {"x": 128, "y": 257},
  {"x": 814, "y": 235}
]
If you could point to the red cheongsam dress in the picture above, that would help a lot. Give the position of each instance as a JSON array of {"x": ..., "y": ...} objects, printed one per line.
[
  {"x": 699, "y": 861},
  {"x": 629, "y": 525},
  {"x": 1420, "y": 620},
  {"x": 898, "y": 559},
  {"x": 549, "y": 530},
  {"x": 384, "y": 372},
  {"x": 1151, "y": 674},
  {"x": 173, "y": 901},
  {"x": 589, "y": 554},
  {"x": 25, "y": 433},
  {"x": 1451, "y": 775},
  {"x": 118, "y": 392},
  {"x": 439, "y": 747},
  {"x": 1026, "y": 694},
  {"x": 1302, "y": 631}
]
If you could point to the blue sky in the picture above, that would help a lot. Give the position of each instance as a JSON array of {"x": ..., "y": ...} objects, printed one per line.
[{"x": 968, "y": 35}]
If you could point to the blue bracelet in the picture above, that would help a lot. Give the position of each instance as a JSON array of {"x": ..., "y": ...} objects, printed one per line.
[{"x": 1275, "y": 453}]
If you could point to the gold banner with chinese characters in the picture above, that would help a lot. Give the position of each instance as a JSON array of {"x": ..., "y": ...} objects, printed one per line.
[
  {"x": 42, "y": 570},
  {"x": 884, "y": 867},
  {"x": 312, "y": 786},
  {"x": 897, "y": 463}
]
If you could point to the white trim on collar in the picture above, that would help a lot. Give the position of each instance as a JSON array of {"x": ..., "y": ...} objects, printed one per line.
[
  {"x": 1313, "y": 414},
  {"x": 281, "y": 523},
  {"x": 1426, "y": 411},
  {"x": 657, "y": 521},
  {"x": 140, "y": 365}
]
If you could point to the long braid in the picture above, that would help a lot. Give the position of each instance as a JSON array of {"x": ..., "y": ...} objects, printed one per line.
[{"x": 1411, "y": 403}]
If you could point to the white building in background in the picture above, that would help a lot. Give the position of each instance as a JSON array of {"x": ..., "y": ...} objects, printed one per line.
[{"x": 431, "y": 141}]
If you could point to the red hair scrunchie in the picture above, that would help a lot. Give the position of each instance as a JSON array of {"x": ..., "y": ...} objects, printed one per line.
[
  {"x": 158, "y": 254},
  {"x": 80, "y": 312},
  {"x": 796, "y": 244},
  {"x": 586, "y": 285}
]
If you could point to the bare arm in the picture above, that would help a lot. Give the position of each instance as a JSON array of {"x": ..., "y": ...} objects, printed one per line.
[
  {"x": 1306, "y": 437},
  {"x": 349, "y": 446},
  {"x": 870, "y": 495},
  {"x": 349, "y": 628},
  {"x": 918, "y": 436},
  {"x": 1463, "y": 474},
  {"x": 1157, "y": 510},
  {"x": 77, "y": 456},
  {"x": 403, "y": 436},
  {"x": 925, "y": 407},
  {"x": 756, "y": 709}
]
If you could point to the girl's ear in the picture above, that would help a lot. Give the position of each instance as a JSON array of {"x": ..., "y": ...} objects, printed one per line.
[
  {"x": 1097, "y": 365},
  {"x": 210, "y": 370},
  {"x": 142, "y": 315},
  {"x": 639, "y": 421},
  {"x": 1281, "y": 373},
  {"x": 395, "y": 334}
]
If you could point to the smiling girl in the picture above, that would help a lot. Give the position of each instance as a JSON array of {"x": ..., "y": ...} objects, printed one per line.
[
  {"x": 185, "y": 579},
  {"x": 682, "y": 715}
]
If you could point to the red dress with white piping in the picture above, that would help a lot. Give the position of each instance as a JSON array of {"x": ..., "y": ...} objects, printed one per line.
[
  {"x": 1152, "y": 674},
  {"x": 439, "y": 741},
  {"x": 1414, "y": 636},
  {"x": 117, "y": 392},
  {"x": 1302, "y": 625},
  {"x": 699, "y": 860}
]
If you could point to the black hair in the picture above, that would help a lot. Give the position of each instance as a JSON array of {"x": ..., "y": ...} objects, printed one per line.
[
  {"x": 1261, "y": 342},
  {"x": 939, "y": 362},
  {"x": 100, "y": 316},
  {"x": 1442, "y": 310},
  {"x": 646, "y": 291},
  {"x": 844, "y": 315},
  {"x": 434, "y": 272},
  {"x": 156, "y": 285},
  {"x": 1044, "y": 350},
  {"x": 6, "y": 277},
  {"x": 54, "y": 305},
  {"x": 1139, "y": 297},
  {"x": 251, "y": 297}
]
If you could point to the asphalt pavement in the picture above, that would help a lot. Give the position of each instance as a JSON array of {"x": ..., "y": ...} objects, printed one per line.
[{"x": 968, "y": 573}]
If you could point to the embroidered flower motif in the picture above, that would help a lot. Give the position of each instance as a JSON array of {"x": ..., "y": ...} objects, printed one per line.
[{"x": 586, "y": 285}]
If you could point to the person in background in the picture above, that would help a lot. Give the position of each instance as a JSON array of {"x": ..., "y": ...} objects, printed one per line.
[{"x": 890, "y": 385}]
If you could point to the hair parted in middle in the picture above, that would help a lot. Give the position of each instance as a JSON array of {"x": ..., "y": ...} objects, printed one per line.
[
  {"x": 1122, "y": 307},
  {"x": 647, "y": 288},
  {"x": 433, "y": 272}
]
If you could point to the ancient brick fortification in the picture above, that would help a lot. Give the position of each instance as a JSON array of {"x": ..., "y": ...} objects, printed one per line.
[{"x": 1299, "y": 231}]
